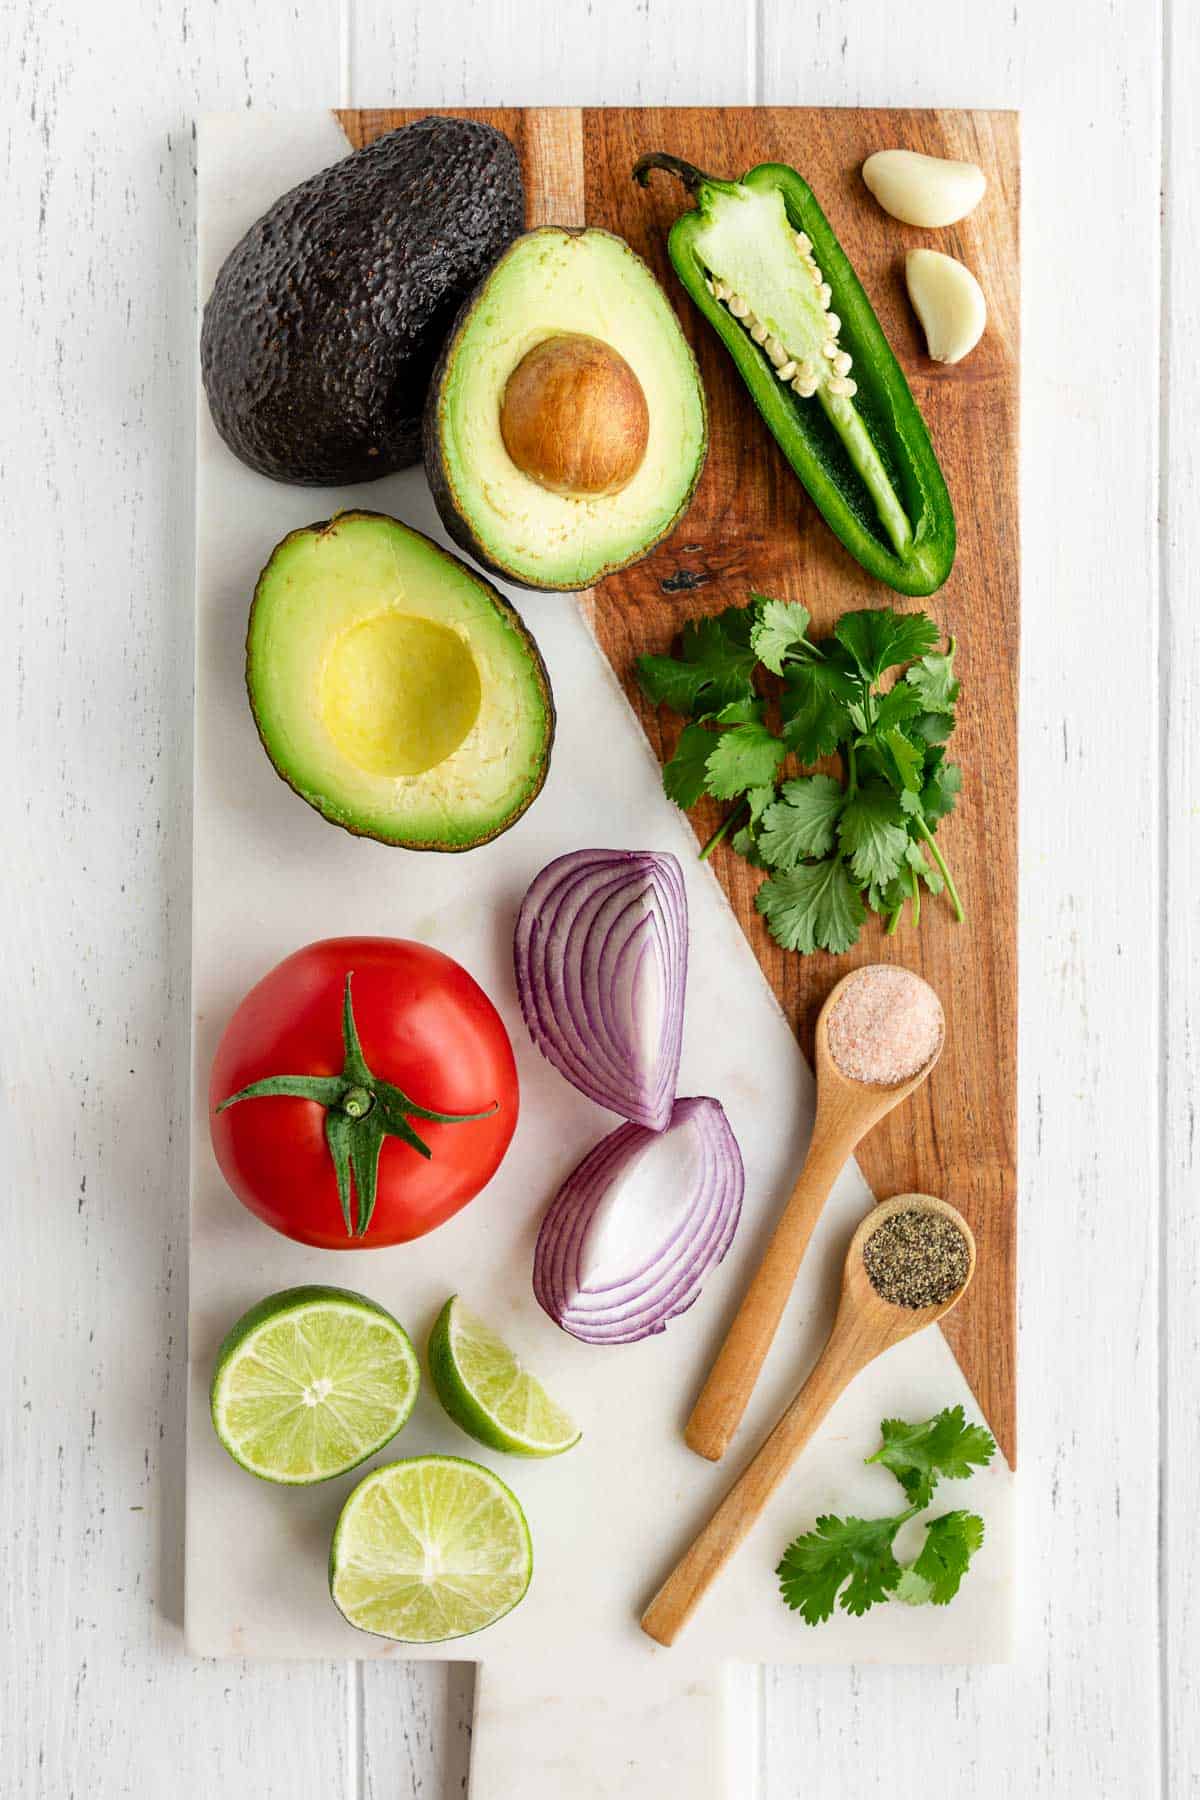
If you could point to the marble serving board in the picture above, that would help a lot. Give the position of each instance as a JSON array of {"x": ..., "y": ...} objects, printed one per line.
[{"x": 572, "y": 1697}]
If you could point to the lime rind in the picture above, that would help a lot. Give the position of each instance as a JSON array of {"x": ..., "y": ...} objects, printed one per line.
[
  {"x": 429, "y": 1548},
  {"x": 311, "y": 1382},
  {"x": 489, "y": 1394}
]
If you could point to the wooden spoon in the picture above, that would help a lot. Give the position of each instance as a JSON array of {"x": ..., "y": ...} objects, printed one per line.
[
  {"x": 846, "y": 1111},
  {"x": 865, "y": 1325}
]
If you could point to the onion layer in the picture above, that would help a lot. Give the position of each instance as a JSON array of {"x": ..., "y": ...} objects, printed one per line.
[
  {"x": 601, "y": 964},
  {"x": 634, "y": 1230}
]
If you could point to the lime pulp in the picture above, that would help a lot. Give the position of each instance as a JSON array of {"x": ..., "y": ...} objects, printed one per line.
[
  {"x": 487, "y": 1391},
  {"x": 310, "y": 1382}
]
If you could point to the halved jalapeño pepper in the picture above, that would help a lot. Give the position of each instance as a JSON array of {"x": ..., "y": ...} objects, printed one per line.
[{"x": 759, "y": 259}]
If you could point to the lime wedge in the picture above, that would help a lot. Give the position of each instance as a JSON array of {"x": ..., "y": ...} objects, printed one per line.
[
  {"x": 488, "y": 1394},
  {"x": 430, "y": 1548},
  {"x": 310, "y": 1382}
]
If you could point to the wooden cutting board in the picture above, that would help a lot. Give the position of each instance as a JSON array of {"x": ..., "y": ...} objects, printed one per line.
[{"x": 751, "y": 525}]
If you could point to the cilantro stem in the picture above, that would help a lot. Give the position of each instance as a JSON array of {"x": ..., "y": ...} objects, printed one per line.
[
  {"x": 940, "y": 860},
  {"x": 721, "y": 830},
  {"x": 915, "y": 884}
]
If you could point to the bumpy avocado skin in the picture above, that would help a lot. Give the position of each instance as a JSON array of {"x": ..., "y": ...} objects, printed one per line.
[{"x": 324, "y": 322}]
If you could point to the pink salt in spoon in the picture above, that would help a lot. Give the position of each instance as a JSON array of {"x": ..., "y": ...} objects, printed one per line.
[{"x": 879, "y": 1034}]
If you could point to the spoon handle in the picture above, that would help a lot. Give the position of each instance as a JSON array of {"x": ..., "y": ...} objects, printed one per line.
[
  {"x": 849, "y": 1349},
  {"x": 731, "y": 1380}
]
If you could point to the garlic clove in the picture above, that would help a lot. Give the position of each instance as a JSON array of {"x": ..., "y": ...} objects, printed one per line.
[
  {"x": 948, "y": 301},
  {"x": 923, "y": 190}
]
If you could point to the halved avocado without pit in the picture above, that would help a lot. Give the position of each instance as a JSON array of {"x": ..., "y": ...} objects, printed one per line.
[
  {"x": 393, "y": 688},
  {"x": 565, "y": 426}
]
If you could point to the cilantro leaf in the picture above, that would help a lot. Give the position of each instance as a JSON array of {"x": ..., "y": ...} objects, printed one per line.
[
  {"x": 758, "y": 799},
  {"x": 780, "y": 626},
  {"x": 945, "y": 1445},
  {"x": 854, "y": 1555},
  {"x": 932, "y": 680},
  {"x": 908, "y": 757},
  {"x": 881, "y": 639},
  {"x": 931, "y": 728},
  {"x": 745, "y": 756},
  {"x": 814, "y": 708},
  {"x": 911, "y": 1589},
  {"x": 744, "y": 843},
  {"x": 802, "y": 822},
  {"x": 741, "y": 712},
  {"x": 887, "y": 899},
  {"x": 683, "y": 776},
  {"x": 897, "y": 707},
  {"x": 667, "y": 682},
  {"x": 838, "y": 844},
  {"x": 872, "y": 830},
  {"x": 950, "y": 1543},
  {"x": 813, "y": 905},
  {"x": 929, "y": 875},
  {"x": 939, "y": 796},
  {"x": 717, "y": 665}
]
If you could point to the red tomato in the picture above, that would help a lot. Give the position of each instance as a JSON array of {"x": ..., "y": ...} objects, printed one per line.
[{"x": 425, "y": 1026}]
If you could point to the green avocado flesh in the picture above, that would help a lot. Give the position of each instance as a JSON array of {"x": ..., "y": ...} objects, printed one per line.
[
  {"x": 549, "y": 282},
  {"x": 395, "y": 689}
]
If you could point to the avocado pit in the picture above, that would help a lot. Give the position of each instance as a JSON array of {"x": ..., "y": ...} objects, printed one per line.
[{"x": 574, "y": 416}]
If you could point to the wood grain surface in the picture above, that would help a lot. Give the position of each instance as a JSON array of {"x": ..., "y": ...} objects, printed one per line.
[{"x": 752, "y": 526}]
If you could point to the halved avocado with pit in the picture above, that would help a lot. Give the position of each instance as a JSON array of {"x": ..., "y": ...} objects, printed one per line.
[
  {"x": 393, "y": 688},
  {"x": 566, "y": 425}
]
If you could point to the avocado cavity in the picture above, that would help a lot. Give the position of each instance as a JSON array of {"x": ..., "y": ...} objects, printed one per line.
[{"x": 399, "y": 694}]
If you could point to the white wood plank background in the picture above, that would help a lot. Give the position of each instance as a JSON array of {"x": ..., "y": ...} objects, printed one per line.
[{"x": 96, "y": 332}]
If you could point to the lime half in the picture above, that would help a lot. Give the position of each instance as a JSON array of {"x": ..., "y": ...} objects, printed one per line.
[
  {"x": 488, "y": 1394},
  {"x": 310, "y": 1382},
  {"x": 430, "y": 1548}
]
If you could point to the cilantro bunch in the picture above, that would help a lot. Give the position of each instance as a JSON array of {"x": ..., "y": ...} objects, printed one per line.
[
  {"x": 854, "y": 1558},
  {"x": 835, "y": 847}
]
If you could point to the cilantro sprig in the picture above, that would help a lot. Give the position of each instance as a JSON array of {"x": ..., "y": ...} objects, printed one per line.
[
  {"x": 852, "y": 1562},
  {"x": 881, "y": 696}
]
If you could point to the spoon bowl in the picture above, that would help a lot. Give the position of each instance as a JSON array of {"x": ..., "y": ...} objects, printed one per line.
[
  {"x": 866, "y": 1325},
  {"x": 846, "y": 1110},
  {"x": 860, "y": 1294}
]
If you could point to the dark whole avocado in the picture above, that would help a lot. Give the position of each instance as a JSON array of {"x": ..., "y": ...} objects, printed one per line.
[{"x": 324, "y": 322}]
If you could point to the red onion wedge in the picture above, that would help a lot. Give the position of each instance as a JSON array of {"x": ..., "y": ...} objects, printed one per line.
[
  {"x": 636, "y": 1227},
  {"x": 601, "y": 963}
]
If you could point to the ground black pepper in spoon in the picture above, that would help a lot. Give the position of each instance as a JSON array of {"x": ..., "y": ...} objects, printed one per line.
[{"x": 916, "y": 1258}]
